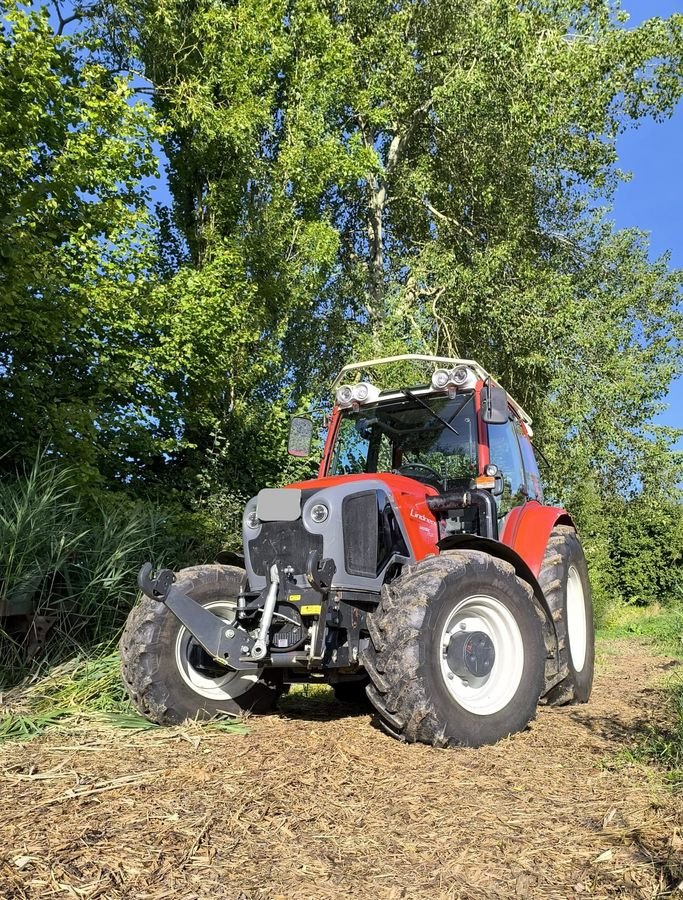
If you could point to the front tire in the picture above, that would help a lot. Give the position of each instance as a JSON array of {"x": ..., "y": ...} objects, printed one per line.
[
  {"x": 564, "y": 580},
  {"x": 456, "y": 655},
  {"x": 168, "y": 676}
]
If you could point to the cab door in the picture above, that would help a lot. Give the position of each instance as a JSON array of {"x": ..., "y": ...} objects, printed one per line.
[{"x": 506, "y": 453}]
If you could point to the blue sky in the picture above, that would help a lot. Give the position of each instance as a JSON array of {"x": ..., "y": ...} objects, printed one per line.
[{"x": 653, "y": 199}]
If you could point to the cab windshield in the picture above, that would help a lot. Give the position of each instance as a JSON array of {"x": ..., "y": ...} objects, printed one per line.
[{"x": 404, "y": 437}]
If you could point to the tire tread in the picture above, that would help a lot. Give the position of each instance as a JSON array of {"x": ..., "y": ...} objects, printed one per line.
[{"x": 392, "y": 656}]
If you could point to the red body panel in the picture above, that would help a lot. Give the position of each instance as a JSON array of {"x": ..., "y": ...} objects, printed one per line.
[
  {"x": 527, "y": 529},
  {"x": 329, "y": 443},
  {"x": 410, "y": 497},
  {"x": 482, "y": 437}
]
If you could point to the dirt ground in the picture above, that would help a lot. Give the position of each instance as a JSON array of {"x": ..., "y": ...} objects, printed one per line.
[{"x": 317, "y": 803}]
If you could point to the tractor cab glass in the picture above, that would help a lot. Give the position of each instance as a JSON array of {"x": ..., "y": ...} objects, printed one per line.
[
  {"x": 437, "y": 446},
  {"x": 504, "y": 452}
]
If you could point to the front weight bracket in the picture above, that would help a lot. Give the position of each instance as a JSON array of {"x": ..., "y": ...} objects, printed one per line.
[
  {"x": 225, "y": 642},
  {"x": 155, "y": 588}
]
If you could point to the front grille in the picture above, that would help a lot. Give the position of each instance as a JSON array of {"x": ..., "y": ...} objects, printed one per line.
[
  {"x": 372, "y": 535},
  {"x": 288, "y": 543},
  {"x": 359, "y": 526}
]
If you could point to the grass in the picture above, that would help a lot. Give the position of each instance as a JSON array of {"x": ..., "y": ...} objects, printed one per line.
[
  {"x": 662, "y": 628},
  {"x": 662, "y": 747},
  {"x": 67, "y": 567},
  {"x": 84, "y": 688},
  {"x": 81, "y": 691},
  {"x": 666, "y": 748}
]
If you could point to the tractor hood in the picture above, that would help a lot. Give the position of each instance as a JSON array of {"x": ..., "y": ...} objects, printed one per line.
[
  {"x": 398, "y": 484},
  {"x": 363, "y": 523}
]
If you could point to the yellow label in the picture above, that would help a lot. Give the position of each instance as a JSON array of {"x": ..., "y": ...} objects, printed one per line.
[
  {"x": 311, "y": 610},
  {"x": 294, "y": 598}
]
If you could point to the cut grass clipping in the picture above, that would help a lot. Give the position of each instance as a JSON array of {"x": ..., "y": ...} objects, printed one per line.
[{"x": 80, "y": 691}]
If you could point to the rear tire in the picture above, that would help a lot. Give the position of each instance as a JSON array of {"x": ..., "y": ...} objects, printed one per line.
[
  {"x": 564, "y": 580},
  {"x": 169, "y": 678},
  {"x": 418, "y": 695}
]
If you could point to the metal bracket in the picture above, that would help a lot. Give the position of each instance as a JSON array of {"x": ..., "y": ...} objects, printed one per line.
[
  {"x": 319, "y": 572},
  {"x": 226, "y": 643},
  {"x": 155, "y": 588},
  {"x": 260, "y": 648}
]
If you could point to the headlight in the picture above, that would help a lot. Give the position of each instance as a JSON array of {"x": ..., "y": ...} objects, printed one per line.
[
  {"x": 345, "y": 395},
  {"x": 440, "y": 379},
  {"x": 319, "y": 513},
  {"x": 252, "y": 519},
  {"x": 363, "y": 392},
  {"x": 459, "y": 377}
]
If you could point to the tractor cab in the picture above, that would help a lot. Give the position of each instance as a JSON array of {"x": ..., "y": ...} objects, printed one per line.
[{"x": 460, "y": 435}]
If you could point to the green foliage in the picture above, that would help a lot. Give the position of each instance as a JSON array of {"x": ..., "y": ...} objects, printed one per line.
[
  {"x": 348, "y": 178},
  {"x": 646, "y": 548},
  {"x": 370, "y": 177},
  {"x": 660, "y": 625},
  {"x": 75, "y": 250},
  {"x": 67, "y": 566}
]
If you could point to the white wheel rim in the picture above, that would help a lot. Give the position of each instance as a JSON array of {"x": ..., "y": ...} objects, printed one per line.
[
  {"x": 577, "y": 627},
  {"x": 227, "y": 686},
  {"x": 485, "y": 696}
]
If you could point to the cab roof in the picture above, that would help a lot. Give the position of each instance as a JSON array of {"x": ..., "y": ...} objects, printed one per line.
[{"x": 440, "y": 361}]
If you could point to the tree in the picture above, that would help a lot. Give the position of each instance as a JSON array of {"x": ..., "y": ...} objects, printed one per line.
[
  {"x": 357, "y": 176},
  {"x": 76, "y": 250},
  {"x": 364, "y": 176}
]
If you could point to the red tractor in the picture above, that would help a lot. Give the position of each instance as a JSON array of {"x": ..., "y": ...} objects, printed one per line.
[{"x": 421, "y": 569}]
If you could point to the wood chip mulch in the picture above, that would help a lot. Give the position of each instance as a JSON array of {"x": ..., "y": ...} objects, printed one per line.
[{"x": 316, "y": 803}]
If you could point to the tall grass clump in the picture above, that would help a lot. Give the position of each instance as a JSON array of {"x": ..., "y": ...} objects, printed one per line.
[{"x": 67, "y": 567}]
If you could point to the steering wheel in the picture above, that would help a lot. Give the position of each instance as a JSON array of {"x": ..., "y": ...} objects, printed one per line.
[{"x": 429, "y": 474}]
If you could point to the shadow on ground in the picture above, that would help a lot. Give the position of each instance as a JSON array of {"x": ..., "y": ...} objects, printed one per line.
[{"x": 320, "y": 705}]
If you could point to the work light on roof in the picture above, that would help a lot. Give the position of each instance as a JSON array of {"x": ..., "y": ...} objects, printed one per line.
[
  {"x": 440, "y": 379},
  {"x": 461, "y": 377},
  {"x": 345, "y": 395},
  {"x": 357, "y": 394}
]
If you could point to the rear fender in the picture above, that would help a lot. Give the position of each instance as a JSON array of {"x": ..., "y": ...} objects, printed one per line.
[{"x": 528, "y": 528}]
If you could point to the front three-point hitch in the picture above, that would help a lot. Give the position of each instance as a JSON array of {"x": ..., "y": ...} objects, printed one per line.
[{"x": 226, "y": 642}]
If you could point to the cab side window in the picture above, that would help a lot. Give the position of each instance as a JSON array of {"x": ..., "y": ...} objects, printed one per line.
[
  {"x": 504, "y": 451},
  {"x": 533, "y": 478}
]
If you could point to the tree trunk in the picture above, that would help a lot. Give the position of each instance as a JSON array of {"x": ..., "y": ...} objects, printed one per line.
[{"x": 377, "y": 185}]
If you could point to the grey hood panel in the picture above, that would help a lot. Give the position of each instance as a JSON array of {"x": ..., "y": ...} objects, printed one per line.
[{"x": 331, "y": 531}]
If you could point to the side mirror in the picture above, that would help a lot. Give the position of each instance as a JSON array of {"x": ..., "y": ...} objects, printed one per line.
[
  {"x": 494, "y": 404},
  {"x": 300, "y": 437}
]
